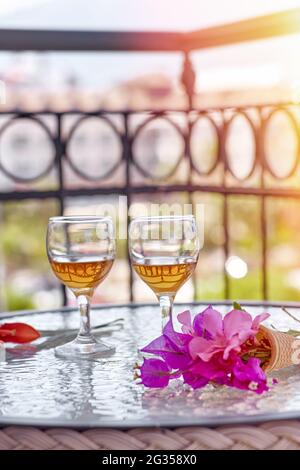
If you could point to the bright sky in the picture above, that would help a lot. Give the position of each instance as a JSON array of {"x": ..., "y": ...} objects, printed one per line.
[
  {"x": 275, "y": 61},
  {"x": 8, "y": 6},
  {"x": 135, "y": 14}
]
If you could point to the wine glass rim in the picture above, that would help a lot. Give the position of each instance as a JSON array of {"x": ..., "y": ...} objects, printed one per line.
[
  {"x": 79, "y": 219},
  {"x": 163, "y": 217}
]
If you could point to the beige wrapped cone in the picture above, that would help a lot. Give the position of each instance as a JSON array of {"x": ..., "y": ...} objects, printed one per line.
[{"x": 281, "y": 349}]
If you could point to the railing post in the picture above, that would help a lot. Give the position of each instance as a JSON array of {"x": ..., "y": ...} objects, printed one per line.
[
  {"x": 188, "y": 78},
  {"x": 263, "y": 211},
  {"x": 128, "y": 157},
  {"x": 59, "y": 165},
  {"x": 226, "y": 247}
]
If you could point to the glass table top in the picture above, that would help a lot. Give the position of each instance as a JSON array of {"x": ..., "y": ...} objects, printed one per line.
[{"x": 38, "y": 389}]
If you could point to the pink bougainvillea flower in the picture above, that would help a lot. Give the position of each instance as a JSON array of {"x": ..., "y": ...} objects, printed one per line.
[
  {"x": 209, "y": 349},
  {"x": 203, "y": 323},
  {"x": 226, "y": 334},
  {"x": 216, "y": 369},
  {"x": 18, "y": 333},
  {"x": 249, "y": 376},
  {"x": 194, "y": 380},
  {"x": 180, "y": 340},
  {"x": 240, "y": 323},
  {"x": 185, "y": 319},
  {"x": 172, "y": 347},
  {"x": 155, "y": 373}
]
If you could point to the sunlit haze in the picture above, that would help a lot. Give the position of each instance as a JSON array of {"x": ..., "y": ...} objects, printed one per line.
[
  {"x": 134, "y": 14},
  {"x": 273, "y": 62}
]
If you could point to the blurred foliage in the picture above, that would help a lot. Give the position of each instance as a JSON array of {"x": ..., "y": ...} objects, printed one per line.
[
  {"x": 283, "y": 242},
  {"x": 22, "y": 246},
  {"x": 212, "y": 288},
  {"x": 23, "y": 230},
  {"x": 16, "y": 301}
]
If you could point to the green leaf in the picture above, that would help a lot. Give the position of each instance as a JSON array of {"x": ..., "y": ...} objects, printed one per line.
[
  {"x": 289, "y": 332},
  {"x": 293, "y": 332},
  {"x": 237, "y": 306}
]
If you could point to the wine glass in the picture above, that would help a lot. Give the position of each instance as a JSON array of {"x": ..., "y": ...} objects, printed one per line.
[
  {"x": 81, "y": 251},
  {"x": 164, "y": 252}
]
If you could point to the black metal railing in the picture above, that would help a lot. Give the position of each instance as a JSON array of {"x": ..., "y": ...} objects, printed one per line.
[
  {"x": 221, "y": 175},
  {"x": 233, "y": 179}
]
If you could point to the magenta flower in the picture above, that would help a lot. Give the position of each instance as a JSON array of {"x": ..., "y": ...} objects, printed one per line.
[
  {"x": 223, "y": 335},
  {"x": 155, "y": 373},
  {"x": 195, "y": 328},
  {"x": 171, "y": 346},
  {"x": 210, "y": 349},
  {"x": 216, "y": 370},
  {"x": 194, "y": 380},
  {"x": 249, "y": 376}
]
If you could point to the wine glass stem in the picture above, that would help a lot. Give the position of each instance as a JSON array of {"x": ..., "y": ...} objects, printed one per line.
[
  {"x": 166, "y": 306},
  {"x": 84, "y": 334}
]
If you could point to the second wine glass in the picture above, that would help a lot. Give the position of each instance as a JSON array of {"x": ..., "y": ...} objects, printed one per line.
[{"x": 164, "y": 252}]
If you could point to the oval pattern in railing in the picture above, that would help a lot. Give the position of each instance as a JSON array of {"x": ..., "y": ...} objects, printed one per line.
[
  {"x": 240, "y": 146},
  {"x": 94, "y": 148},
  {"x": 27, "y": 149},
  {"x": 281, "y": 143},
  {"x": 158, "y": 147},
  {"x": 204, "y": 145}
]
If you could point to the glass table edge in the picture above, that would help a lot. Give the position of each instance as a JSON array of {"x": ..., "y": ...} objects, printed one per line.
[{"x": 212, "y": 422}]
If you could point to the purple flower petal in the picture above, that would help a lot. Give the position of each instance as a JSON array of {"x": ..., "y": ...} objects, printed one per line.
[
  {"x": 177, "y": 360},
  {"x": 249, "y": 376},
  {"x": 194, "y": 381},
  {"x": 198, "y": 325},
  {"x": 159, "y": 345},
  {"x": 179, "y": 340},
  {"x": 186, "y": 321},
  {"x": 212, "y": 322},
  {"x": 175, "y": 352},
  {"x": 238, "y": 322},
  {"x": 232, "y": 345},
  {"x": 209, "y": 370},
  {"x": 259, "y": 319},
  {"x": 204, "y": 348},
  {"x": 155, "y": 373}
]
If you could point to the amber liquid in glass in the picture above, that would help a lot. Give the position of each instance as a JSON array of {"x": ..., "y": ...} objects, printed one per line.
[
  {"x": 165, "y": 278},
  {"x": 82, "y": 277}
]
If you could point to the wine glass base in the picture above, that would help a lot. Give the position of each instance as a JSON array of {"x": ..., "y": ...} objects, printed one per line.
[{"x": 84, "y": 350}]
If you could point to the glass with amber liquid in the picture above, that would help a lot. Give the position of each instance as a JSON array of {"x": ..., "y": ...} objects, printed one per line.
[
  {"x": 164, "y": 253},
  {"x": 81, "y": 251}
]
